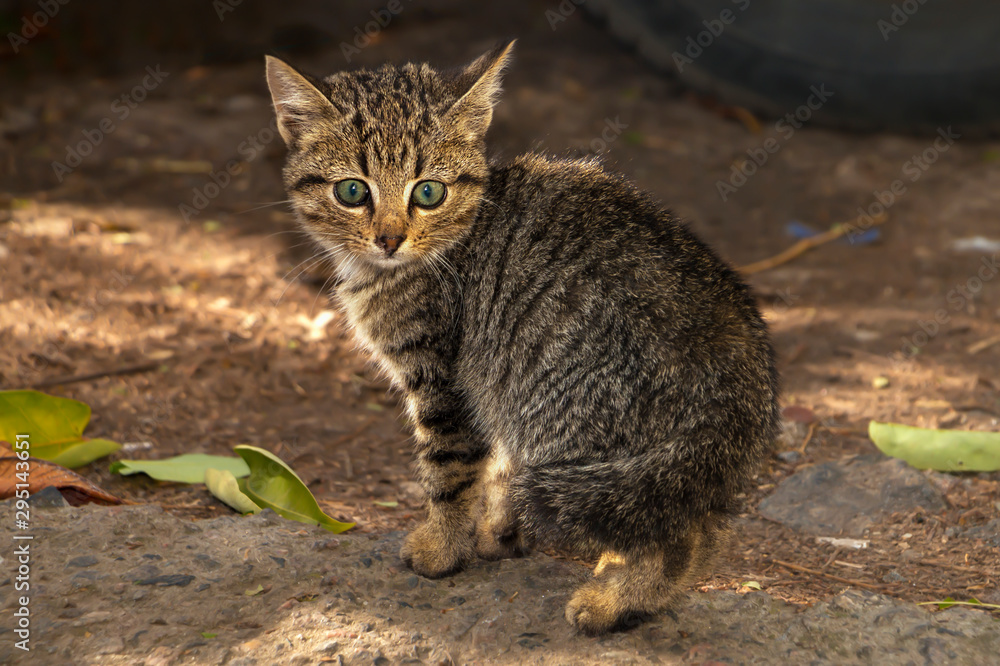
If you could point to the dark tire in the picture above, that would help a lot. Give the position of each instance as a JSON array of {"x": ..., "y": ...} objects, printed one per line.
[{"x": 940, "y": 68}]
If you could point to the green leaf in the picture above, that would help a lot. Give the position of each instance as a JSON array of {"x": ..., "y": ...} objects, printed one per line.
[
  {"x": 942, "y": 450},
  {"x": 948, "y": 602},
  {"x": 208, "y": 634},
  {"x": 188, "y": 468},
  {"x": 753, "y": 585},
  {"x": 55, "y": 426},
  {"x": 388, "y": 505},
  {"x": 254, "y": 592},
  {"x": 78, "y": 454},
  {"x": 273, "y": 485},
  {"x": 224, "y": 486}
]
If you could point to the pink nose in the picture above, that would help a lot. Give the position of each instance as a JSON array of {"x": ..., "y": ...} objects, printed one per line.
[{"x": 389, "y": 244}]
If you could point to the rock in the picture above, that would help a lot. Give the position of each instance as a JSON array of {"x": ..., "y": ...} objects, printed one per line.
[
  {"x": 167, "y": 580},
  {"x": 790, "y": 457},
  {"x": 848, "y": 497},
  {"x": 82, "y": 561},
  {"x": 990, "y": 532},
  {"x": 47, "y": 498}
]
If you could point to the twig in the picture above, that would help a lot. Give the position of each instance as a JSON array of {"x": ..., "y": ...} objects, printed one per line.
[
  {"x": 809, "y": 436},
  {"x": 807, "y": 244},
  {"x": 845, "y": 581},
  {"x": 983, "y": 345},
  {"x": 945, "y": 565},
  {"x": 123, "y": 370}
]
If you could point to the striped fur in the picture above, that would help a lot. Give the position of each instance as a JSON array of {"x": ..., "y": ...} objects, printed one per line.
[{"x": 579, "y": 368}]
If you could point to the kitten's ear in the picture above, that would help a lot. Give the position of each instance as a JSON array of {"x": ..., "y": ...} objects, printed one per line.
[
  {"x": 472, "y": 113},
  {"x": 297, "y": 102}
]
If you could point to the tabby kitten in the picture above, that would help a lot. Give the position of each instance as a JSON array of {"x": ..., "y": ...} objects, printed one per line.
[{"x": 579, "y": 368}]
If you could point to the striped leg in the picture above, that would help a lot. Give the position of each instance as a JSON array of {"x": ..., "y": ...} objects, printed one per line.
[
  {"x": 450, "y": 460},
  {"x": 497, "y": 529}
]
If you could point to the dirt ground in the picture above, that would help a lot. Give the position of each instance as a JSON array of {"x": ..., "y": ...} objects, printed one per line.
[{"x": 147, "y": 251}]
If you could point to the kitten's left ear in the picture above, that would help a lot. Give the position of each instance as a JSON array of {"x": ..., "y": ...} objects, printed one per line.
[
  {"x": 297, "y": 102},
  {"x": 472, "y": 113}
]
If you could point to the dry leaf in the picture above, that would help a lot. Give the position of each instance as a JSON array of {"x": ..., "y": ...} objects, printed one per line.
[{"x": 43, "y": 474}]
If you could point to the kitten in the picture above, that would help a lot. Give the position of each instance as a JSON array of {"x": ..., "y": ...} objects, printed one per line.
[{"x": 579, "y": 368}]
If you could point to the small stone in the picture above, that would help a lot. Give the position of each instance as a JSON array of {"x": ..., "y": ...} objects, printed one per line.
[
  {"x": 412, "y": 581},
  {"x": 48, "y": 498},
  {"x": 95, "y": 617},
  {"x": 152, "y": 556},
  {"x": 167, "y": 580},
  {"x": 893, "y": 577},
  {"x": 329, "y": 648},
  {"x": 790, "y": 456},
  {"x": 82, "y": 561},
  {"x": 112, "y": 645}
]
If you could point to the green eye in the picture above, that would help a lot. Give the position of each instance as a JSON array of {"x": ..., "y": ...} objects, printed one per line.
[
  {"x": 351, "y": 192},
  {"x": 428, "y": 193}
]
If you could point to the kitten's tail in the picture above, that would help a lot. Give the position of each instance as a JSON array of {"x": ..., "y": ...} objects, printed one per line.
[{"x": 627, "y": 504}]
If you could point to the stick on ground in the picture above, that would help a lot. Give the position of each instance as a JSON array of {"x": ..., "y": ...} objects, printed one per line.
[{"x": 807, "y": 244}]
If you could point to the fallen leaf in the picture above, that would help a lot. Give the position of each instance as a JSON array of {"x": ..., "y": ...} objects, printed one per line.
[
  {"x": 55, "y": 427},
  {"x": 223, "y": 485},
  {"x": 273, "y": 485},
  {"x": 798, "y": 414},
  {"x": 44, "y": 474},
  {"x": 941, "y": 450},
  {"x": 187, "y": 468}
]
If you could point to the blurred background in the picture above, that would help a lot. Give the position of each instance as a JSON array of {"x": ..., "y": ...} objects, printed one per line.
[{"x": 143, "y": 222}]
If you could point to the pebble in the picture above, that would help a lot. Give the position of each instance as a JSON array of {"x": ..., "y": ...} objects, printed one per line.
[
  {"x": 48, "y": 498},
  {"x": 82, "y": 561},
  {"x": 167, "y": 580}
]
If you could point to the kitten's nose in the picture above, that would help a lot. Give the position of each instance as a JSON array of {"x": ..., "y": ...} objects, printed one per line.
[{"x": 389, "y": 244}]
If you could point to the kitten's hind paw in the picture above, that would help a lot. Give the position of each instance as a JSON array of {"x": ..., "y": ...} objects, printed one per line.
[
  {"x": 596, "y": 608},
  {"x": 432, "y": 553}
]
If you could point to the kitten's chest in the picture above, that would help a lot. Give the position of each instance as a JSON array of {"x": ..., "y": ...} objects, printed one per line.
[{"x": 390, "y": 318}]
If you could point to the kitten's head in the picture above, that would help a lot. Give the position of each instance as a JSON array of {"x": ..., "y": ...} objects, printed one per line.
[{"x": 386, "y": 166}]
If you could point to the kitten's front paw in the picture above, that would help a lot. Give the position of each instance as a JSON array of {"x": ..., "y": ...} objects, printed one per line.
[
  {"x": 597, "y": 608},
  {"x": 433, "y": 553}
]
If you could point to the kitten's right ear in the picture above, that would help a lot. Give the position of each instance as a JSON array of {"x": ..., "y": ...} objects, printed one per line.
[
  {"x": 297, "y": 102},
  {"x": 472, "y": 113}
]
